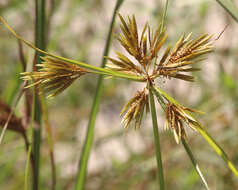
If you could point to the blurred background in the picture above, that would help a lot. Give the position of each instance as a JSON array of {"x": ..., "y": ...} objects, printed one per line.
[{"x": 121, "y": 159}]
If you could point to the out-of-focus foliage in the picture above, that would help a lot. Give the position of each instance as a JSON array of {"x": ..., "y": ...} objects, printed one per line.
[{"x": 123, "y": 160}]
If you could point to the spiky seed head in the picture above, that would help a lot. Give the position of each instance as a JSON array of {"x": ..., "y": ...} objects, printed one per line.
[
  {"x": 176, "y": 61},
  {"x": 185, "y": 53},
  {"x": 176, "y": 118},
  {"x": 134, "y": 109},
  {"x": 54, "y": 76}
]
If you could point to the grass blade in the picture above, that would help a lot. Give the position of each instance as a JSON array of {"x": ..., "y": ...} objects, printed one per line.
[
  {"x": 156, "y": 141},
  {"x": 218, "y": 150},
  {"x": 82, "y": 170},
  {"x": 230, "y": 7},
  {"x": 194, "y": 162}
]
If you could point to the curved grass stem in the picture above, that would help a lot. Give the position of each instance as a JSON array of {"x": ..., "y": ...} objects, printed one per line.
[
  {"x": 194, "y": 162},
  {"x": 82, "y": 170}
]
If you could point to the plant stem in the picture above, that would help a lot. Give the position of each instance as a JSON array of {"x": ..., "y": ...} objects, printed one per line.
[
  {"x": 194, "y": 162},
  {"x": 48, "y": 128},
  {"x": 82, "y": 170},
  {"x": 156, "y": 141},
  {"x": 230, "y": 7},
  {"x": 218, "y": 150},
  {"x": 40, "y": 43}
]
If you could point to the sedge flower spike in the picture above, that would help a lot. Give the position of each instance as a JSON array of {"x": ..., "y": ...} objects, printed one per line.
[
  {"x": 54, "y": 76},
  {"x": 135, "y": 108},
  {"x": 176, "y": 118}
]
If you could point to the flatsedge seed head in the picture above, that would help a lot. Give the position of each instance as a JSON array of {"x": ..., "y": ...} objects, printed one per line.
[
  {"x": 134, "y": 109},
  {"x": 54, "y": 76},
  {"x": 177, "y": 62},
  {"x": 144, "y": 48},
  {"x": 186, "y": 52},
  {"x": 176, "y": 118}
]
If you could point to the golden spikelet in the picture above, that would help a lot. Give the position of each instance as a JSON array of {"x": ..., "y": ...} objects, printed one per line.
[
  {"x": 54, "y": 76},
  {"x": 175, "y": 62},
  {"x": 143, "y": 48},
  {"x": 176, "y": 117},
  {"x": 135, "y": 109},
  {"x": 185, "y": 53}
]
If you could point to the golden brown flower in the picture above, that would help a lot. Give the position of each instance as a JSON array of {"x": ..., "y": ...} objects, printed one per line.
[
  {"x": 145, "y": 48},
  {"x": 174, "y": 63},
  {"x": 185, "y": 53},
  {"x": 135, "y": 108},
  {"x": 176, "y": 118},
  {"x": 54, "y": 76}
]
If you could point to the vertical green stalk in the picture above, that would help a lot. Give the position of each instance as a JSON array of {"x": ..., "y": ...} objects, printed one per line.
[
  {"x": 82, "y": 168},
  {"x": 156, "y": 141},
  {"x": 40, "y": 43}
]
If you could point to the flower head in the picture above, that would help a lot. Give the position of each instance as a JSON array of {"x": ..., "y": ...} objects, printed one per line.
[
  {"x": 135, "y": 108},
  {"x": 145, "y": 48},
  {"x": 185, "y": 53},
  {"x": 54, "y": 76},
  {"x": 174, "y": 62},
  {"x": 177, "y": 117}
]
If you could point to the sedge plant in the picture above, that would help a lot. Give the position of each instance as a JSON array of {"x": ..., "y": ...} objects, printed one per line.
[{"x": 176, "y": 61}]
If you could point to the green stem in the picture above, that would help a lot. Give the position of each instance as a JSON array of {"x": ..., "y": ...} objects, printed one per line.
[
  {"x": 230, "y": 7},
  {"x": 82, "y": 170},
  {"x": 194, "y": 162},
  {"x": 156, "y": 141},
  {"x": 40, "y": 43}
]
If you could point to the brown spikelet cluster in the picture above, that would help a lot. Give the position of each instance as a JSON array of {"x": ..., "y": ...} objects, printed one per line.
[
  {"x": 134, "y": 109},
  {"x": 144, "y": 48},
  {"x": 15, "y": 123},
  {"x": 54, "y": 76},
  {"x": 173, "y": 63},
  {"x": 185, "y": 53},
  {"x": 176, "y": 117}
]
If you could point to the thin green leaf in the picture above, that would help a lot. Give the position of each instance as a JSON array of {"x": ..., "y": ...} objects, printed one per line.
[
  {"x": 230, "y": 7},
  {"x": 194, "y": 162},
  {"x": 82, "y": 170}
]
